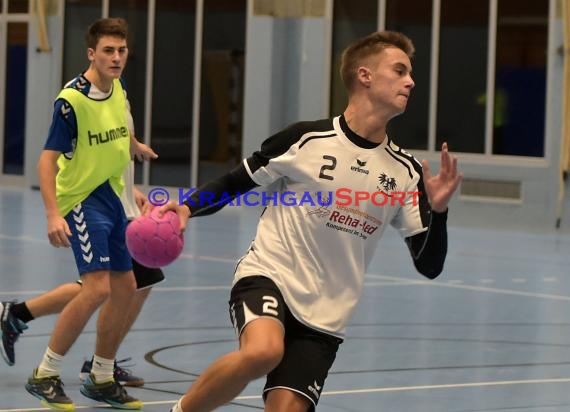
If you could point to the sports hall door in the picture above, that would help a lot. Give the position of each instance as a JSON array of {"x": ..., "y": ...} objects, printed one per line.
[{"x": 14, "y": 20}]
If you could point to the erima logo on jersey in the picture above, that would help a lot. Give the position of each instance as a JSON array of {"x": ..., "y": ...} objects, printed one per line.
[
  {"x": 315, "y": 388},
  {"x": 360, "y": 167},
  {"x": 107, "y": 136}
]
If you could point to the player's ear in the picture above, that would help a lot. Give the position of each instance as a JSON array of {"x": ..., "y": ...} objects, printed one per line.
[
  {"x": 90, "y": 54},
  {"x": 364, "y": 75}
]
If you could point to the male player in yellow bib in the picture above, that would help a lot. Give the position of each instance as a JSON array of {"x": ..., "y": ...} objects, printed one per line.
[{"x": 80, "y": 171}]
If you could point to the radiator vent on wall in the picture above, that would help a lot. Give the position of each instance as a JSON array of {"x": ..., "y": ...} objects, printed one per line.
[{"x": 501, "y": 190}]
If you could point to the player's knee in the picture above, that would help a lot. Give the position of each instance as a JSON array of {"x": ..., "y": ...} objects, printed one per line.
[
  {"x": 123, "y": 284},
  {"x": 262, "y": 360},
  {"x": 98, "y": 292}
]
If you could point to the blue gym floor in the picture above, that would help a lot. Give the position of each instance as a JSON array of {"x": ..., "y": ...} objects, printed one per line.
[{"x": 491, "y": 334}]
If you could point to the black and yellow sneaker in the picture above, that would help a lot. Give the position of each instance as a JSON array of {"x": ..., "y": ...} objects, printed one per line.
[
  {"x": 49, "y": 391},
  {"x": 109, "y": 392}
]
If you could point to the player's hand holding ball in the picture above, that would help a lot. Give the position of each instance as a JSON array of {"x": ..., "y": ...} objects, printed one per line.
[{"x": 183, "y": 212}]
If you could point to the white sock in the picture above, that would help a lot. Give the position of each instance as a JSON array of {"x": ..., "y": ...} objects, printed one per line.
[
  {"x": 178, "y": 406},
  {"x": 102, "y": 369},
  {"x": 50, "y": 365}
]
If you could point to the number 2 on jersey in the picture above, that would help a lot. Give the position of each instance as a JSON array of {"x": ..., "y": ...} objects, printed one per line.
[{"x": 327, "y": 166}]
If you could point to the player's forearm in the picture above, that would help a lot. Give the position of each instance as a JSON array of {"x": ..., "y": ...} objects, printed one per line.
[
  {"x": 47, "y": 171},
  {"x": 429, "y": 249},
  {"x": 214, "y": 195}
]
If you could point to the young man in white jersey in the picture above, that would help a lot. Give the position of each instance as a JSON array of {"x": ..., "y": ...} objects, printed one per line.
[
  {"x": 297, "y": 286},
  {"x": 88, "y": 148},
  {"x": 15, "y": 316}
]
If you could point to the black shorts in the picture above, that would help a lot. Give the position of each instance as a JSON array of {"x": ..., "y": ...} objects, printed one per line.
[
  {"x": 309, "y": 354},
  {"x": 145, "y": 277}
]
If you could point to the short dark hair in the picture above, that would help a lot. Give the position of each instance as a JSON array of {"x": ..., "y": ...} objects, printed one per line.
[
  {"x": 364, "y": 47},
  {"x": 112, "y": 26}
]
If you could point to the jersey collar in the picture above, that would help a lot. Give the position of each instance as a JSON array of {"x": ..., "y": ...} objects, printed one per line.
[{"x": 353, "y": 137}]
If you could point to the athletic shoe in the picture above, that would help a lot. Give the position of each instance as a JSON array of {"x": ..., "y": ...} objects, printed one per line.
[
  {"x": 11, "y": 328},
  {"x": 109, "y": 392},
  {"x": 50, "y": 392},
  {"x": 122, "y": 375}
]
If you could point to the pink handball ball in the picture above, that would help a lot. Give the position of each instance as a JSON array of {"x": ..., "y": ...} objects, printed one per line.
[{"x": 155, "y": 242}]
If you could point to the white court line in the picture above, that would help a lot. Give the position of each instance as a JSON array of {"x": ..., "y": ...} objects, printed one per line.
[
  {"x": 352, "y": 391},
  {"x": 208, "y": 258},
  {"x": 550, "y": 279},
  {"x": 519, "y": 280},
  {"x": 386, "y": 283},
  {"x": 446, "y": 386},
  {"x": 476, "y": 288}
]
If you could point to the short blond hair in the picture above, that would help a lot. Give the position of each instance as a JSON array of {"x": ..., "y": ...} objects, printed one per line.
[{"x": 374, "y": 43}]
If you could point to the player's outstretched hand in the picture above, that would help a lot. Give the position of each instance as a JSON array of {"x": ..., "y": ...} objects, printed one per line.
[
  {"x": 141, "y": 151},
  {"x": 440, "y": 188},
  {"x": 183, "y": 212}
]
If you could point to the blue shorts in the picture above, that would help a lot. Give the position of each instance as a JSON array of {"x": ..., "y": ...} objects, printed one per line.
[{"x": 98, "y": 227}]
